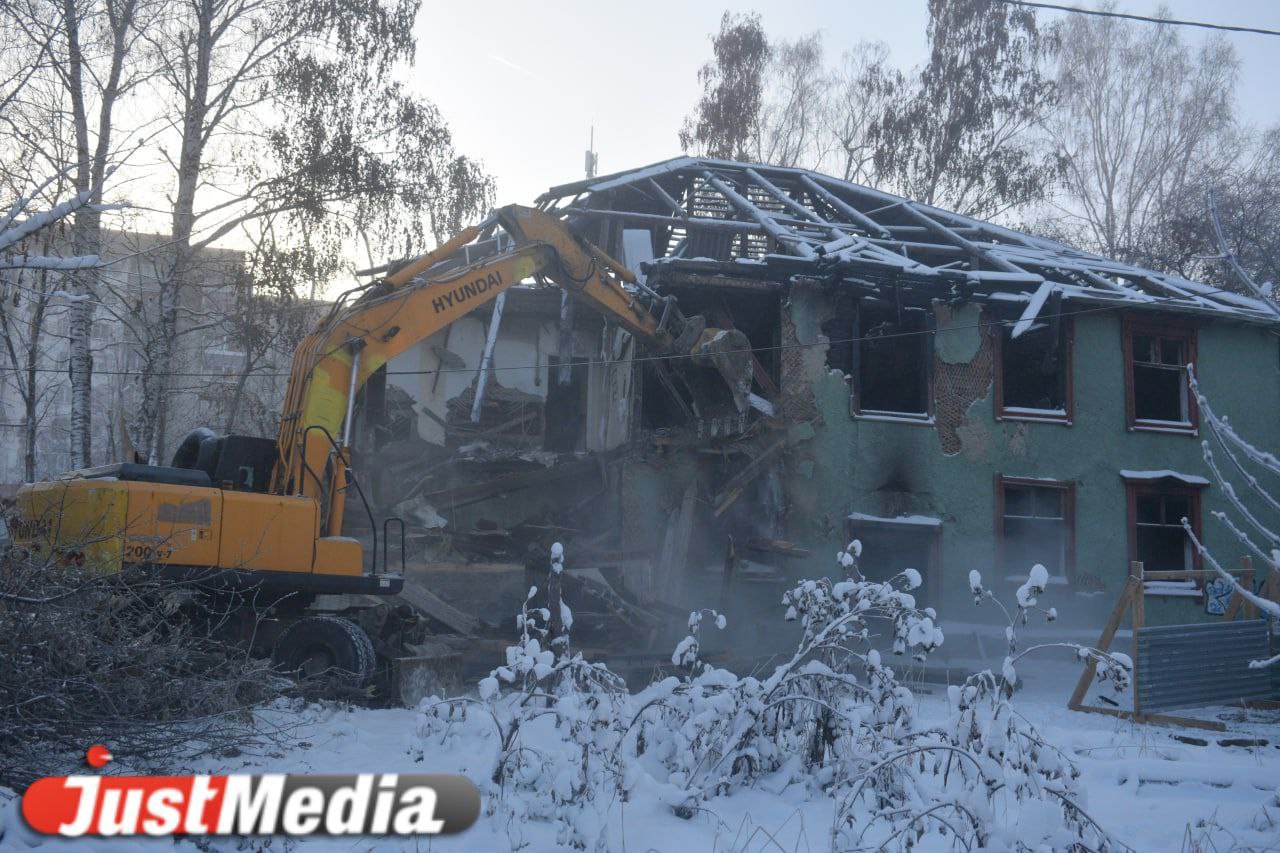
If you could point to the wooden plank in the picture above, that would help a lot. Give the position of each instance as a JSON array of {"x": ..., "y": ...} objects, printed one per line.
[
  {"x": 1246, "y": 565},
  {"x": 675, "y": 547},
  {"x": 1233, "y": 606},
  {"x": 777, "y": 546},
  {"x": 733, "y": 489},
  {"x": 667, "y": 199},
  {"x": 474, "y": 492},
  {"x": 1156, "y": 719},
  {"x": 730, "y": 571},
  {"x": 844, "y": 207},
  {"x": 1188, "y": 574},
  {"x": 1104, "y": 643},
  {"x": 420, "y": 598},
  {"x": 444, "y": 566},
  {"x": 1139, "y": 603}
]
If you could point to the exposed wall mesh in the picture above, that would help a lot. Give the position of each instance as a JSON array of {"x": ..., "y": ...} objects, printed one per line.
[
  {"x": 955, "y": 388},
  {"x": 798, "y": 400}
]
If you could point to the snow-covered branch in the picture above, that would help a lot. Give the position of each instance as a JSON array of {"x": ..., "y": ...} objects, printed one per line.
[
  {"x": 1268, "y": 607},
  {"x": 1231, "y": 443}
]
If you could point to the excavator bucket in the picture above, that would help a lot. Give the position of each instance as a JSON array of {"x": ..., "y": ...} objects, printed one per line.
[{"x": 729, "y": 352}]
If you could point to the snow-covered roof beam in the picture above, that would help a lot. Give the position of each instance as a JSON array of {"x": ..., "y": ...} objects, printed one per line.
[{"x": 804, "y": 223}]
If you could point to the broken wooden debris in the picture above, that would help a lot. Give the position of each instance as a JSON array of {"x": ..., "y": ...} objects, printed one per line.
[
  {"x": 777, "y": 546},
  {"x": 675, "y": 547},
  {"x": 416, "y": 595},
  {"x": 486, "y": 359},
  {"x": 730, "y": 570},
  {"x": 734, "y": 488},
  {"x": 474, "y": 492}
]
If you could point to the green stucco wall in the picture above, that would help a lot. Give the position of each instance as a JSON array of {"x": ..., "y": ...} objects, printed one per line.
[{"x": 888, "y": 469}]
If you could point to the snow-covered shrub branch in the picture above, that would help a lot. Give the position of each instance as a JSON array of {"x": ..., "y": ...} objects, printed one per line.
[
  {"x": 1236, "y": 449},
  {"x": 1115, "y": 668},
  {"x": 579, "y": 707}
]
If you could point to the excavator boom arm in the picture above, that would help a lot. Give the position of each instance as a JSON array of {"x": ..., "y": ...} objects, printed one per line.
[{"x": 424, "y": 296}]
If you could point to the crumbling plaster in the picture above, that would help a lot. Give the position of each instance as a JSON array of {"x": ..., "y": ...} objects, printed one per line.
[{"x": 847, "y": 464}]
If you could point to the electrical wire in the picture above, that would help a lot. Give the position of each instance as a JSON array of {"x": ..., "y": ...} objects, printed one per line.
[
  {"x": 1103, "y": 13},
  {"x": 640, "y": 359}
]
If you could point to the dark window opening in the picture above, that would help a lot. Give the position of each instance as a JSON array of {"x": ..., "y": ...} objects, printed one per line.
[
  {"x": 1037, "y": 525},
  {"x": 839, "y": 329},
  {"x": 566, "y": 409},
  {"x": 890, "y": 547},
  {"x": 1161, "y": 543},
  {"x": 384, "y": 413},
  {"x": 1035, "y": 371},
  {"x": 1158, "y": 390},
  {"x": 893, "y": 360}
]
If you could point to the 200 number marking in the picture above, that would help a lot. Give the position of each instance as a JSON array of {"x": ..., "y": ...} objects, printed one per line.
[{"x": 147, "y": 552}]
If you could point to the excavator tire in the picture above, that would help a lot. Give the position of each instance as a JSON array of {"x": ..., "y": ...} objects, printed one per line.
[{"x": 326, "y": 647}]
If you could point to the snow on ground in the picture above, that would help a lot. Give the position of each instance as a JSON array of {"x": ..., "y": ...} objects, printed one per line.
[{"x": 1148, "y": 789}]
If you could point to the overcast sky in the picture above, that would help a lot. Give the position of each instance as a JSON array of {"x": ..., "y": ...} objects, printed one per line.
[{"x": 522, "y": 83}]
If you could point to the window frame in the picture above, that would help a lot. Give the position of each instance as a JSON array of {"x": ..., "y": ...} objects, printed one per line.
[
  {"x": 1048, "y": 416},
  {"x": 927, "y": 354},
  {"x": 1187, "y": 333},
  {"x": 1068, "y": 489},
  {"x": 931, "y": 575},
  {"x": 1168, "y": 486}
]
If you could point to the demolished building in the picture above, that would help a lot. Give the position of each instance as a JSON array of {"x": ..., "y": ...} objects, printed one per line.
[{"x": 955, "y": 394}]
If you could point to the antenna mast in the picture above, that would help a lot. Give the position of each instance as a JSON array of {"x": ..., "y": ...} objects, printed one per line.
[{"x": 592, "y": 158}]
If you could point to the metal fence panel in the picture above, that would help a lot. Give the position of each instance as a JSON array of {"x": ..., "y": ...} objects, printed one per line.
[{"x": 1183, "y": 666}]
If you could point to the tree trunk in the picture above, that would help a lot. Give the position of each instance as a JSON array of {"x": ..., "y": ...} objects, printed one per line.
[
  {"x": 31, "y": 399},
  {"x": 155, "y": 392},
  {"x": 90, "y": 174},
  {"x": 85, "y": 240}
]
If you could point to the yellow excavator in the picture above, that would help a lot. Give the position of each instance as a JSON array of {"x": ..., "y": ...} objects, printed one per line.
[{"x": 259, "y": 521}]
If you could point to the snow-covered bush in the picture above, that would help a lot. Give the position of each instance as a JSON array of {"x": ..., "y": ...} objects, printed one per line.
[
  {"x": 576, "y": 707},
  {"x": 571, "y": 743},
  {"x": 1113, "y": 668},
  {"x": 992, "y": 779}
]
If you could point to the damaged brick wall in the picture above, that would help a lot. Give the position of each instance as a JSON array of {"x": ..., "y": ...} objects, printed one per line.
[{"x": 956, "y": 387}]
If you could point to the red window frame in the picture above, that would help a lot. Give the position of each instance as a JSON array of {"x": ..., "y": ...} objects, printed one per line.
[
  {"x": 1169, "y": 487},
  {"x": 1185, "y": 332},
  {"x": 1068, "y": 361},
  {"x": 1068, "y": 488}
]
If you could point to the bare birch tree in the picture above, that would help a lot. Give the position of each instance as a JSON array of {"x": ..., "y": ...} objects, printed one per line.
[
  {"x": 965, "y": 138},
  {"x": 1141, "y": 114},
  {"x": 94, "y": 62},
  {"x": 33, "y": 281},
  {"x": 1247, "y": 193},
  {"x": 864, "y": 87},
  {"x": 792, "y": 131},
  {"x": 288, "y": 112},
  {"x": 726, "y": 121}
]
